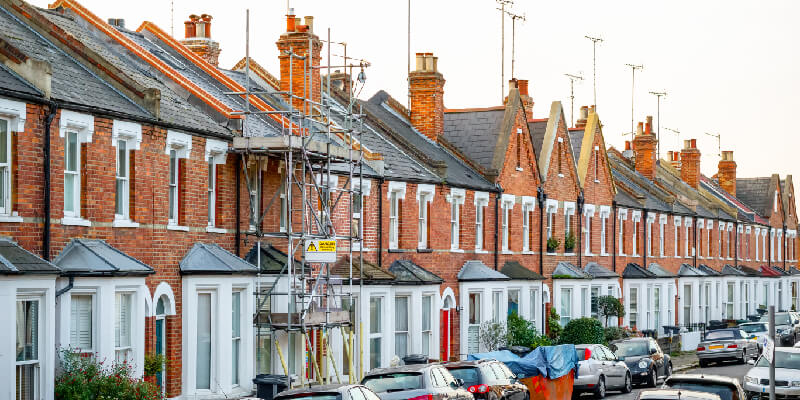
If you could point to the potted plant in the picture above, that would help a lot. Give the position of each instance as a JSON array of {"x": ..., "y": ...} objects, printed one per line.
[
  {"x": 569, "y": 243},
  {"x": 153, "y": 364},
  {"x": 552, "y": 245},
  {"x": 762, "y": 309}
]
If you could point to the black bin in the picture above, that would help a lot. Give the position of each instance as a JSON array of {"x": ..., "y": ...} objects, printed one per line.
[
  {"x": 415, "y": 359},
  {"x": 268, "y": 385}
]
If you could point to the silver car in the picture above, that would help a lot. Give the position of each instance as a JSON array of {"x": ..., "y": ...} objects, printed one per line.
[
  {"x": 670, "y": 394},
  {"x": 329, "y": 392},
  {"x": 600, "y": 370},
  {"x": 757, "y": 331},
  {"x": 416, "y": 382},
  {"x": 726, "y": 344},
  {"x": 787, "y": 375}
]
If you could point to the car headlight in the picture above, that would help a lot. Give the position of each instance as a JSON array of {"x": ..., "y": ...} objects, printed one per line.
[
  {"x": 795, "y": 383},
  {"x": 750, "y": 379},
  {"x": 643, "y": 364}
]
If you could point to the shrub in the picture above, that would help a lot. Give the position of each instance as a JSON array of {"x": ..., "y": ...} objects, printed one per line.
[
  {"x": 492, "y": 335},
  {"x": 613, "y": 333},
  {"x": 610, "y": 306},
  {"x": 554, "y": 325},
  {"x": 552, "y": 244},
  {"x": 569, "y": 243},
  {"x": 153, "y": 364},
  {"x": 521, "y": 332},
  {"x": 84, "y": 377},
  {"x": 583, "y": 330}
]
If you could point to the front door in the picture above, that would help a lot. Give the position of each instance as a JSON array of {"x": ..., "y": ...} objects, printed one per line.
[
  {"x": 160, "y": 345},
  {"x": 444, "y": 330}
]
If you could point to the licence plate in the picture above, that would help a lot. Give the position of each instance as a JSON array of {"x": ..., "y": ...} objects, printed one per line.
[{"x": 715, "y": 347}]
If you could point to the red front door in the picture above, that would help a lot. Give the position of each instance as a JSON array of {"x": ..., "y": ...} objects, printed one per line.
[{"x": 444, "y": 329}]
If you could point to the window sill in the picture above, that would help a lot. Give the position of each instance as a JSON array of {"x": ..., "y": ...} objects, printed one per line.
[
  {"x": 75, "y": 221},
  {"x": 569, "y": 254},
  {"x": 527, "y": 252},
  {"x": 560, "y": 175},
  {"x": 211, "y": 229},
  {"x": 587, "y": 254},
  {"x": 124, "y": 223},
  {"x": 177, "y": 228},
  {"x": 394, "y": 250},
  {"x": 424, "y": 250},
  {"x": 10, "y": 218},
  {"x": 478, "y": 251},
  {"x": 551, "y": 254},
  {"x": 456, "y": 250},
  {"x": 519, "y": 168},
  {"x": 597, "y": 181},
  {"x": 506, "y": 252},
  {"x": 604, "y": 254}
]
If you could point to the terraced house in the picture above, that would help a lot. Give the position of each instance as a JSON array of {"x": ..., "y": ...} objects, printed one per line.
[{"x": 132, "y": 209}]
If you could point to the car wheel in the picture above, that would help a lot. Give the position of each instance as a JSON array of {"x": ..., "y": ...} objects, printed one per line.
[
  {"x": 600, "y": 389},
  {"x": 743, "y": 359},
  {"x": 703, "y": 363},
  {"x": 652, "y": 380},
  {"x": 668, "y": 372},
  {"x": 628, "y": 387}
]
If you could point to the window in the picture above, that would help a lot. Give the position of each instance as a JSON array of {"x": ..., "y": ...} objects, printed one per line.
[
  {"x": 566, "y": 306},
  {"x": 623, "y": 215},
  {"x": 179, "y": 146},
  {"x": 513, "y": 302},
  {"x": 496, "y": 306},
  {"x": 535, "y": 305},
  {"x": 588, "y": 212},
  {"x": 72, "y": 175},
  {"x": 401, "y": 326},
  {"x": 729, "y": 302},
  {"x": 728, "y": 241},
  {"x": 27, "y": 349},
  {"x": 677, "y": 236},
  {"x": 508, "y": 204},
  {"x": 204, "y": 329},
  {"x": 657, "y": 307},
  {"x": 747, "y": 243},
  {"x": 705, "y": 302},
  {"x": 780, "y": 240},
  {"x": 584, "y": 302},
  {"x": 634, "y": 307},
  {"x": 709, "y": 228},
  {"x": 569, "y": 211},
  {"x": 122, "y": 328},
  {"x": 424, "y": 198},
  {"x": 375, "y": 325},
  {"x": 747, "y": 307},
  {"x": 603, "y": 232},
  {"x": 481, "y": 200},
  {"x": 635, "y": 235},
  {"x": 595, "y": 294},
  {"x": 212, "y": 194},
  {"x": 687, "y": 225},
  {"x": 758, "y": 234},
  {"x": 662, "y": 223},
  {"x": 474, "y": 323},
  {"x": 5, "y": 168},
  {"x": 687, "y": 304},
  {"x": 394, "y": 218},
  {"x": 427, "y": 331},
  {"x": 173, "y": 187},
  {"x": 126, "y": 137},
  {"x": 526, "y": 227},
  {"x": 254, "y": 188},
  {"x": 81, "y": 333},
  {"x": 719, "y": 240},
  {"x": 552, "y": 207},
  {"x": 764, "y": 244},
  {"x": 649, "y": 233},
  {"x": 236, "y": 335},
  {"x": 765, "y": 295},
  {"x": 456, "y": 200}
]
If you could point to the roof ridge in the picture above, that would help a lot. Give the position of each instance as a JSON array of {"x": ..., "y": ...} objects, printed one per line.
[{"x": 80, "y": 241}]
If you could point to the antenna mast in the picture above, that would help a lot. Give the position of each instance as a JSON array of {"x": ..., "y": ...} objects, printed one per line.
[
  {"x": 503, "y": 45},
  {"x": 572, "y": 79},
  {"x": 633, "y": 83},
  {"x": 677, "y": 133},
  {"x": 514, "y": 18},
  {"x": 719, "y": 143},
  {"x": 594, "y": 40},
  {"x": 658, "y": 118}
]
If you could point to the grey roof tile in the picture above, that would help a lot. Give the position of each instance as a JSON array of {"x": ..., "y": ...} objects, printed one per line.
[
  {"x": 688, "y": 270},
  {"x": 576, "y": 140},
  {"x": 537, "y": 128},
  {"x": 634, "y": 271},
  {"x": 730, "y": 270},
  {"x": 371, "y": 273},
  {"x": 474, "y": 133},
  {"x": 708, "y": 270},
  {"x": 515, "y": 270},
  {"x": 406, "y": 272},
  {"x": 96, "y": 257},
  {"x": 210, "y": 258},
  {"x": 564, "y": 269},
  {"x": 755, "y": 193},
  {"x": 598, "y": 271},
  {"x": 659, "y": 271},
  {"x": 474, "y": 270},
  {"x": 272, "y": 259},
  {"x": 16, "y": 260}
]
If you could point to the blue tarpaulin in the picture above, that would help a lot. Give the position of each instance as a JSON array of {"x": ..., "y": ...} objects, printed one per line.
[{"x": 549, "y": 361}]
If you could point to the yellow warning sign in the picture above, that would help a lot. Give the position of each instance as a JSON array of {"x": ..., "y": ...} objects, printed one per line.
[
  {"x": 312, "y": 247},
  {"x": 327, "y": 245},
  {"x": 321, "y": 251}
]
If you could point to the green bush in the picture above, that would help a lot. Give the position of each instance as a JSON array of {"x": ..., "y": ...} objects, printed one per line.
[
  {"x": 583, "y": 331},
  {"x": 554, "y": 325},
  {"x": 153, "y": 364},
  {"x": 521, "y": 332},
  {"x": 610, "y": 306},
  {"x": 552, "y": 244},
  {"x": 569, "y": 243},
  {"x": 613, "y": 333},
  {"x": 86, "y": 378}
]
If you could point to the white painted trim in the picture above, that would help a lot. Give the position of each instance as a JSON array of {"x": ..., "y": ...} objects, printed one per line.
[
  {"x": 130, "y": 132},
  {"x": 447, "y": 293},
  {"x": 180, "y": 142},
  {"x": 481, "y": 197},
  {"x": 365, "y": 184},
  {"x": 163, "y": 289},
  {"x": 72, "y": 221},
  {"x": 81, "y": 123},
  {"x": 399, "y": 187},
  {"x": 676, "y": 220},
  {"x": 458, "y": 192},
  {"x": 551, "y": 205},
  {"x": 16, "y": 111},
  {"x": 662, "y": 219},
  {"x": 529, "y": 201},
  {"x": 172, "y": 227},
  {"x": 509, "y": 199},
  {"x": 216, "y": 150},
  {"x": 124, "y": 223},
  {"x": 569, "y": 207}
]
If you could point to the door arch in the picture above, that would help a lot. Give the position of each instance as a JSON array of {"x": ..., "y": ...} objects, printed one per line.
[{"x": 445, "y": 324}]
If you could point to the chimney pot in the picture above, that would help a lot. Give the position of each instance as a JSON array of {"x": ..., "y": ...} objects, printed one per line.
[
  {"x": 522, "y": 85},
  {"x": 429, "y": 62},
  {"x": 687, "y": 144},
  {"x": 290, "y": 22},
  {"x": 194, "y": 17},
  {"x": 627, "y": 145},
  {"x": 648, "y": 127},
  {"x": 435, "y": 64},
  {"x": 309, "y": 20},
  {"x": 639, "y": 129}
]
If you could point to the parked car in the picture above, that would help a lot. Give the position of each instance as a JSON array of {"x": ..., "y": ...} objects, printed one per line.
[
  {"x": 488, "y": 379},
  {"x": 670, "y": 394},
  {"x": 787, "y": 327},
  {"x": 644, "y": 359},
  {"x": 416, "y": 382},
  {"x": 726, "y": 344},
  {"x": 787, "y": 375},
  {"x": 329, "y": 392},
  {"x": 724, "y": 387},
  {"x": 600, "y": 370},
  {"x": 757, "y": 331}
]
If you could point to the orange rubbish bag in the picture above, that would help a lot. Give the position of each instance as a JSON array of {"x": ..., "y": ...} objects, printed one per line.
[{"x": 542, "y": 388}]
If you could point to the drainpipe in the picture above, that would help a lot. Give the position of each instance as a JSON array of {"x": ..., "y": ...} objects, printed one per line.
[
  {"x": 67, "y": 288},
  {"x": 645, "y": 247},
  {"x": 541, "y": 197},
  {"x": 380, "y": 224},
  {"x": 52, "y": 109},
  {"x": 496, "y": 222},
  {"x": 614, "y": 234},
  {"x": 580, "y": 229},
  {"x": 238, "y": 235}
]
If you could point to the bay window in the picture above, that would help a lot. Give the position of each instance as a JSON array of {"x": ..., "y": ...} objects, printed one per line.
[
  {"x": 496, "y": 306},
  {"x": 427, "y": 323},
  {"x": 401, "y": 326},
  {"x": 81, "y": 335},
  {"x": 236, "y": 335},
  {"x": 123, "y": 348},
  {"x": 375, "y": 332},
  {"x": 633, "y": 307},
  {"x": 27, "y": 348},
  {"x": 513, "y": 302},
  {"x": 566, "y": 306},
  {"x": 687, "y": 304},
  {"x": 729, "y": 302},
  {"x": 204, "y": 351}
]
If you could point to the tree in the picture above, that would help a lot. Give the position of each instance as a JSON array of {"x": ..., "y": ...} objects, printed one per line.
[
  {"x": 583, "y": 330},
  {"x": 554, "y": 327},
  {"x": 492, "y": 335},
  {"x": 521, "y": 332},
  {"x": 610, "y": 306}
]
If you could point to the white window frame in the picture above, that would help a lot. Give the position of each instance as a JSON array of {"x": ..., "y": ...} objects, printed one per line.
[
  {"x": 764, "y": 244},
  {"x": 687, "y": 223},
  {"x": 74, "y": 330},
  {"x": 676, "y": 220},
  {"x": 5, "y": 170},
  {"x": 395, "y": 193},
  {"x": 15, "y": 113},
  {"x": 126, "y": 350},
  {"x": 508, "y": 201},
  {"x": 636, "y": 218},
  {"x": 569, "y": 212},
  {"x": 551, "y": 209},
  {"x": 633, "y": 306},
  {"x": 36, "y": 362},
  {"x": 82, "y": 125},
  {"x": 237, "y": 378},
  {"x": 407, "y": 332},
  {"x": 456, "y": 200},
  {"x": 605, "y": 211},
  {"x": 622, "y": 216},
  {"x": 129, "y": 133},
  {"x": 474, "y": 326},
  {"x": 254, "y": 182},
  {"x": 709, "y": 229},
  {"x": 213, "y": 299},
  {"x": 360, "y": 189},
  {"x": 747, "y": 236},
  {"x": 728, "y": 231},
  {"x": 215, "y": 154},
  {"x": 588, "y": 213},
  {"x": 758, "y": 241},
  {"x": 481, "y": 202},
  {"x": 427, "y": 332},
  {"x": 565, "y": 313},
  {"x": 425, "y": 195},
  {"x": 700, "y": 227},
  {"x": 651, "y": 218},
  {"x": 376, "y": 333},
  {"x": 528, "y": 206},
  {"x": 662, "y": 223},
  {"x": 181, "y": 144},
  {"x": 772, "y": 245}
]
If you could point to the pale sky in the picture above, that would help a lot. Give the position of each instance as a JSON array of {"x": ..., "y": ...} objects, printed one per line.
[{"x": 728, "y": 66}]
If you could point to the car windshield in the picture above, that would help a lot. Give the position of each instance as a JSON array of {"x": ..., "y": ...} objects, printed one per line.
[
  {"x": 470, "y": 375},
  {"x": 721, "y": 335},
  {"x": 394, "y": 382},
  {"x": 783, "y": 359},
  {"x": 632, "y": 348},
  {"x": 723, "y": 391},
  {"x": 313, "y": 396},
  {"x": 581, "y": 354},
  {"x": 780, "y": 318},
  {"x": 750, "y": 328}
]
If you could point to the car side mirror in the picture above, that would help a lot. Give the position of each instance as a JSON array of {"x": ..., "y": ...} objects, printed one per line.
[
  {"x": 459, "y": 382},
  {"x": 653, "y": 351}
]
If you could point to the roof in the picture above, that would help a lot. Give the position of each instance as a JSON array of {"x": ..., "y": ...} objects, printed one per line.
[
  {"x": 688, "y": 270},
  {"x": 794, "y": 271},
  {"x": 576, "y": 139},
  {"x": 516, "y": 271},
  {"x": 370, "y": 272},
  {"x": 756, "y": 193},
  {"x": 707, "y": 270},
  {"x": 16, "y": 260},
  {"x": 659, "y": 271},
  {"x": 210, "y": 258},
  {"x": 598, "y": 271},
  {"x": 71, "y": 82},
  {"x": 475, "y": 134},
  {"x": 773, "y": 271},
  {"x": 634, "y": 271},
  {"x": 537, "y": 128},
  {"x": 748, "y": 271},
  {"x": 87, "y": 257},
  {"x": 272, "y": 259},
  {"x": 474, "y": 270},
  {"x": 730, "y": 270},
  {"x": 14, "y": 83},
  {"x": 566, "y": 270},
  {"x": 744, "y": 211},
  {"x": 406, "y": 272},
  {"x": 548, "y": 143}
]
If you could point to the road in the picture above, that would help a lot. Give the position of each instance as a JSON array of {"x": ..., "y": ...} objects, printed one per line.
[{"x": 727, "y": 369}]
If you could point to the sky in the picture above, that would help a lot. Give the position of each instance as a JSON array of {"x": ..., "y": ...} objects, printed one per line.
[{"x": 728, "y": 67}]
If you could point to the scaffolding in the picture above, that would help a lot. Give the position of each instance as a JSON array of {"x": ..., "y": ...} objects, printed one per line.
[{"x": 305, "y": 299}]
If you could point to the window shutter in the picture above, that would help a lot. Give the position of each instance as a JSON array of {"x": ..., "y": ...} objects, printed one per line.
[{"x": 81, "y": 322}]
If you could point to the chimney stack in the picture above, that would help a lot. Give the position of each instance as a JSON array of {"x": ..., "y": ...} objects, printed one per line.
[
  {"x": 690, "y": 163},
  {"x": 727, "y": 172},
  {"x": 426, "y": 86},
  {"x": 527, "y": 100},
  {"x": 644, "y": 146},
  {"x": 584, "y": 116},
  {"x": 198, "y": 38},
  {"x": 293, "y": 75}
]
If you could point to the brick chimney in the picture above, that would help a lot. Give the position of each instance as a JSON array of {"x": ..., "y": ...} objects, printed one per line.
[
  {"x": 674, "y": 158},
  {"x": 426, "y": 86},
  {"x": 297, "y": 38},
  {"x": 582, "y": 117},
  {"x": 644, "y": 146},
  {"x": 198, "y": 38},
  {"x": 527, "y": 100},
  {"x": 690, "y": 163},
  {"x": 727, "y": 172}
]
